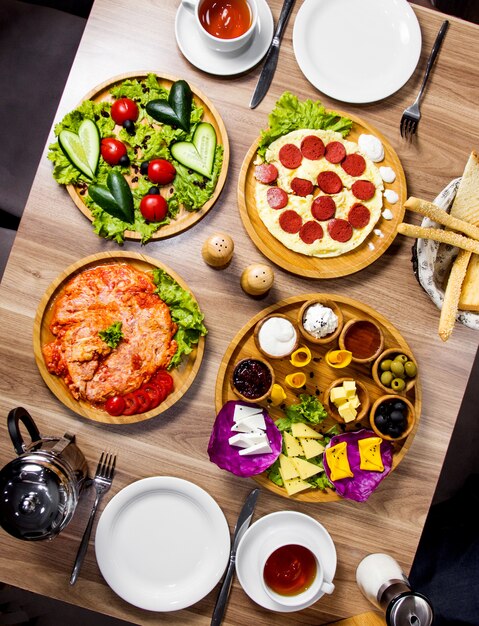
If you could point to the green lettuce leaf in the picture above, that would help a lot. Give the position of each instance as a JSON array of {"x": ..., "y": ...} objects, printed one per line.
[
  {"x": 112, "y": 335},
  {"x": 309, "y": 409},
  {"x": 184, "y": 311},
  {"x": 291, "y": 114}
]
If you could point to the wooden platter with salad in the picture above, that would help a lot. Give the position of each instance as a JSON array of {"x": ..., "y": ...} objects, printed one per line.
[
  {"x": 143, "y": 157},
  {"x": 320, "y": 192},
  {"x": 308, "y": 419},
  {"x": 118, "y": 337}
]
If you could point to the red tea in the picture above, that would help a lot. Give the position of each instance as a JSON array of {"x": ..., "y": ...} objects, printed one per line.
[
  {"x": 225, "y": 19},
  {"x": 290, "y": 570}
]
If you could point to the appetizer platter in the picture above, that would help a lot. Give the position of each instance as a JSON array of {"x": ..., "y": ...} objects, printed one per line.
[
  {"x": 143, "y": 157},
  {"x": 321, "y": 390},
  {"x": 320, "y": 192},
  {"x": 118, "y": 337}
]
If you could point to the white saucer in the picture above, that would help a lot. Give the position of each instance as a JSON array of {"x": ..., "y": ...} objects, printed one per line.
[
  {"x": 262, "y": 535},
  {"x": 220, "y": 63}
]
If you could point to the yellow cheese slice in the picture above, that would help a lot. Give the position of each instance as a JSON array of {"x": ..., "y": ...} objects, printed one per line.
[
  {"x": 370, "y": 454},
  {"x": 338, "y": 462},
  {"x": 311, "y": 447},
  {"x": 305, "y": 469},
  {"x": 287, "y": 468},
  {"x": 295, "y": 485},
  {"x": 303, "y": 430},
  {"x": 292, "y": 445}
]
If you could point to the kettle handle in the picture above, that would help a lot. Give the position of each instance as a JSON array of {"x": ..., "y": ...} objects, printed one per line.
[{"x": 21, "y": 415}]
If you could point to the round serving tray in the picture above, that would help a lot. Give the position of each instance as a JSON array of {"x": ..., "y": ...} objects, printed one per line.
[
  {"x": 183, "y": 375},
  {"x": 185, "y": 219},
  {"x": 331, "y": 267},
  {"x": 319, "y": 375}
]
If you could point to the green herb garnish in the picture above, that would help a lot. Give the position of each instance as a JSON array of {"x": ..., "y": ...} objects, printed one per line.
[{"x": 112, "y": 335}]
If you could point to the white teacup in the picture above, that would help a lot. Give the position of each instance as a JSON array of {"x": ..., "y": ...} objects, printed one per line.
[
  {"x": 315, "y": 581},
  {"x": 219, "y": 41}
]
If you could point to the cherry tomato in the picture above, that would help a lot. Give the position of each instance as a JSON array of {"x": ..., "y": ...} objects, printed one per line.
[
  {"x": 163, "y": 378},
  {"x": 142, "y": 399},
  {"x": 112, "y": 150},
  {"x": 153, "y": 207},
  {"x": 131, "y": 404},
  {"x": 155, "y": 392},
  {"x": 115, "y": 405},
  {"x": 161, "y": 171},
  {"x": 123, "y": 110}
]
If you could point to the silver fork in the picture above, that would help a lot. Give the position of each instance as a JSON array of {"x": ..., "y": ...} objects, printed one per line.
[
  {"x": 411, "y": 116},
  {"x": 102, "y": 483}
]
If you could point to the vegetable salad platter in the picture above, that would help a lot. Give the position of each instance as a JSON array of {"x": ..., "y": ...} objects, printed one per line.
[
  {"x": 318, "y": 398},
  {"x": 118, "y": 337},
  {"x": 143, "y": 156},
  {"x": 320, "y": 192}
]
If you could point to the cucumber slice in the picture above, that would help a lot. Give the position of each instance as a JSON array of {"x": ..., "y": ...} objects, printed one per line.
[
  {"x": 82, "y": 148},
  {"x": 198, "y": 155}
]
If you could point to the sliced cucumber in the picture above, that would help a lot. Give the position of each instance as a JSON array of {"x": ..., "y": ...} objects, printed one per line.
[
  {"x": 198, "y": 155},
  {"x": 82, "y": 148}
]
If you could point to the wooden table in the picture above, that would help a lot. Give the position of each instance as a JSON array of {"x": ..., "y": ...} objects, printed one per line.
[{"x": 120, "y": 37}]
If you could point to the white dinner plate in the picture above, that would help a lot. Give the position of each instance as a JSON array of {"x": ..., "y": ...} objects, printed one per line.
[
  {"x": 259, "y": 539},
  {"x": 357, "y": 51},
  {"x": 220, "y": 63},
  {"x": 162, "y": 543}
]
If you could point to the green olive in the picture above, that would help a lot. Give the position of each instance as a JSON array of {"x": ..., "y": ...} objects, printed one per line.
[
  {"x": 397, "y": 368},
  {"x": 410, "y": 369},
  {"x": 385, "y": 365},
  {"x": 397, "y": 384},
  {"x": 402, "y": 358},
  {"x": 386, "y": 378}
]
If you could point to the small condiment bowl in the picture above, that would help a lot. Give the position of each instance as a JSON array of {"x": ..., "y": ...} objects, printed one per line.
[
  {"x": 391, "y": 353},
  {"x": 261, "y": 348},
  {"x": 357, "y": 332},
  {"x": 362, "y": 394},
  {"x": 326, "y": 303},
  {"x": 411, "y": 416},
  {"x": 262, "y": 364}
]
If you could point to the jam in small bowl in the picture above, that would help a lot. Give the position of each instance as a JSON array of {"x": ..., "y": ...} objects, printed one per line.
[{"x": 252, "y": 379}]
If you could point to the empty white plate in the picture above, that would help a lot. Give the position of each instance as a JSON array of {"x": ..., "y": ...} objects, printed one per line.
[
  {"x": 357, "y": 50},
  {"x": 162, "y": 543}
]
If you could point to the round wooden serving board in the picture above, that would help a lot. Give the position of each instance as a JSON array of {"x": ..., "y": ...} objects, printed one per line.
[
  {"x": 319, "y": 375},
  {"x": 183, "y": 375},
  {"x": 331, "y": 267},
  {"x": 185, "y": 219}
]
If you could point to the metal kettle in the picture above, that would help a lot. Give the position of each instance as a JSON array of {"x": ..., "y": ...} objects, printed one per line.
[{"x": 40, "y": 489}]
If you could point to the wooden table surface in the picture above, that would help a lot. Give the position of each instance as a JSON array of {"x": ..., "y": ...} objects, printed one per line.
[{"x": 123, "y": 36}]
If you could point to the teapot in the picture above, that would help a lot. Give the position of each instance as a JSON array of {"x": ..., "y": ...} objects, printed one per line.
[{"x": 41, "y": 487}]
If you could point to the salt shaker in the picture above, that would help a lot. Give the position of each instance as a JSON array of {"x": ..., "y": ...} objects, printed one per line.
[{"x": 382, "y": 581}]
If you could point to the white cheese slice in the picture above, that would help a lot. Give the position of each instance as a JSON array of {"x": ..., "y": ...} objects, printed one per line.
[
  {"x": 253, "y": 422},
  {"x": 244, "y": 440},
  {"x": 241, "y": 412},
  {"x": 259, "y": 448}
]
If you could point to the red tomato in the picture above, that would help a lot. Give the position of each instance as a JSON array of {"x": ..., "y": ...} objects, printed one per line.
[
  {"x": 155, "y": 392},
  {"x": 153, "y": 207},
  {"x": 163, "y": 378},
  {"x": 161, "y": 171},
  {"x": 143, "y": 400},
  {"x": 112, "y": 150},
  {"x": 115, "y": 405},
  {"x": 124, "y": 109},
  {"x": 131, "y": 405}
]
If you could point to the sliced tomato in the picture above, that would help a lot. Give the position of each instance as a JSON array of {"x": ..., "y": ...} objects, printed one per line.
[
  {"x": 131, "y": 404},
  {"x": 162, "y": 377},
  {"x": 143, "y": 400},
  {"x": 115, "y": 405},
  {"x": 156, "y": 393}
]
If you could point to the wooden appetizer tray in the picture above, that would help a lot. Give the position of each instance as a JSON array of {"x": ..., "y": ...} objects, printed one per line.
[
  {"x": 183, "y": 375},
  {"x": 185, "y": 219},
  {"x": 331, "y": 267},
  {"x": 319, "y": 375}
]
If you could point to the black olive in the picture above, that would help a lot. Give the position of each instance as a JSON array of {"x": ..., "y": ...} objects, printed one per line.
[
  {"x": 399, "y": 405},
  {"x": 153, "y": 191},
  {"x": 394, "y": 432},
  {"x": 129, "y": 126},
  {"x": 397, "y": 417},
  {"x": 124, "y": 161},
  {"x": 380, "y": 421},
  {"x": 144, "y": 168}
]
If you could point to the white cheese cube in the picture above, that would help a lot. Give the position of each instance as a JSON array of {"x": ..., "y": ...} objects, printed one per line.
[
  {"x": 259, "y": 448},
  {"x": 241, "y": 412},
  {"x": 244, "y": 440}
]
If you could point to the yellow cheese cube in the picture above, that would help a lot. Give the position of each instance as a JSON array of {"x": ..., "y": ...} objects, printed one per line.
[
  {"x": 295, "y": 485},
  {"x": 354, "y": 402},
  {"x": 349, "y": 387},
  {"x": 338, "y": 395},
  {"x": 311, "y": 447},
  {"x": 347, "y": 412},
  {"x": 303, "y": 430},
  {"x": 287, "y": 468},
  {"x": 292, "y": 445},
  {"x": 305, "y": 469}
]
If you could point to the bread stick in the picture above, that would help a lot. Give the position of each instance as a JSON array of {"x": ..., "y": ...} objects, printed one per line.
[
  {"x": 452, "y": 294},
  {"x": 428, "y": 209},
  {"x": 443, "y": 236}
]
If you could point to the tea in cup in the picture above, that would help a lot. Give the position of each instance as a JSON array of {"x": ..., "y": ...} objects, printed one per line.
[
  {"x": 293, "y": 574},
  {"x": 225, "y": 25}
]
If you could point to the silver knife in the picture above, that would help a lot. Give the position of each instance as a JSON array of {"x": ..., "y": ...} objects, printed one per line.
[
  {"x": 241, "y": 527},
  {"x": 271, "y": 58}
]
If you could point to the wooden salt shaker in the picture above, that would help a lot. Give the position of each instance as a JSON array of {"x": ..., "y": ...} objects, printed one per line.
[
  {"x": 218, "y": 250},
  {"x": 257, "y": 279}
]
